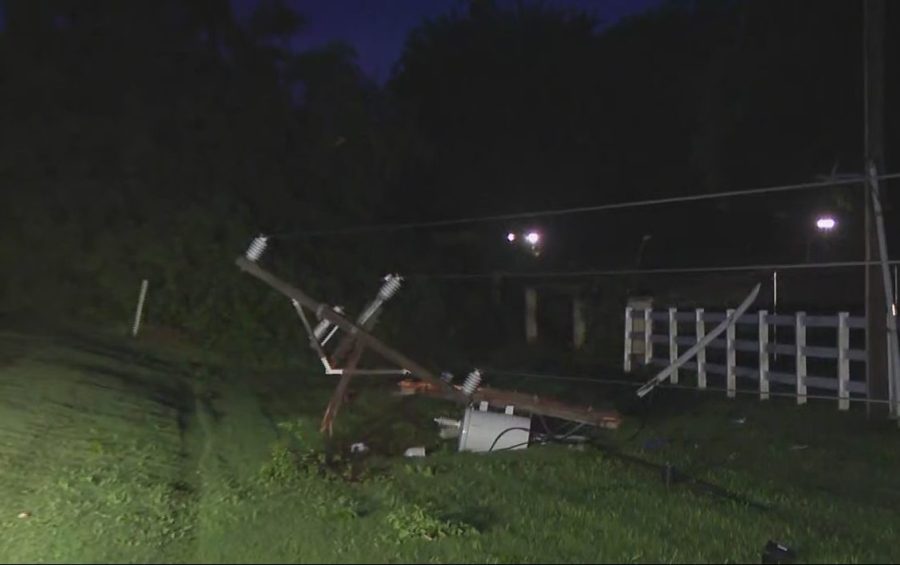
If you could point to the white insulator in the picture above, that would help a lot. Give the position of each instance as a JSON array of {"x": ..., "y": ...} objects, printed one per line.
[
  {"x": 472, "y": 382},
  {"x": 446, "y": 422},
  {"x": 320, "y": 329},
  {"x": 257, "y": 247},
  {"x": 325, "y": 324},
  {"x": 390, "y": 287}
]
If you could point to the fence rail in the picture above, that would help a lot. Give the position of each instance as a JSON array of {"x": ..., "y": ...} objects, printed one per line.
[{"x": 642, "y": 341}]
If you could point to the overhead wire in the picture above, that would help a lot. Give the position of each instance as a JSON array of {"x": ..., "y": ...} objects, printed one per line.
[
  {"x": 387, "y": 227},
  {"x": 677, "y": 270}
]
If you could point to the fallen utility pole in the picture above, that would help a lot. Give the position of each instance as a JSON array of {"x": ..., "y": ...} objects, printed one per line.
[
  {"x": 360, "y": 339},
  {"x": 326, "y": 312},
  {"x": 534, "y": 404}
]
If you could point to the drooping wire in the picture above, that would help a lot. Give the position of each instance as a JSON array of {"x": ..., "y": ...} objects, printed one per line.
[
  {"x": 664, "y": 271},
  {"x": 388, "y": 227},
  {"x": 504, "y": 432}
]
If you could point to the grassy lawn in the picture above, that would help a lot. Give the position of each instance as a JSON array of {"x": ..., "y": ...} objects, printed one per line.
[{"x": 110, "y": 451}]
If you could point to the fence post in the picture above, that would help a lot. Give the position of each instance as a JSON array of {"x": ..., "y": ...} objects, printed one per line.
[
  {"x": 763, "y": 355},
  {"x": 730, "y": 380},
  {"x": 626, "y": 365},
  {"x": 648, "y": 336},
  {"x": 531, "y": 330},
  {"x": 701, "y": 354},
  {"x": 139, "y": 311},
  {"x": 843, "y": 361},
  {"x": 673, "y": 342},
  {"x": 800, "y": 355},
  {"x": 579, "y": 328}
]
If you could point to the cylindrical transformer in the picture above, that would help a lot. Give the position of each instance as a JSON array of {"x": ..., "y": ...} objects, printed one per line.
[{"x": 483, "y": 431}]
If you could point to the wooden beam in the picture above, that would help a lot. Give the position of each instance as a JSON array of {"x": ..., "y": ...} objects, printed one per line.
[
  {"x": 534, "y": 404},
  {"x": 340, "y": 391},
  {"x": 348, "y": 340},
  {"x": 548, "y": 407}
]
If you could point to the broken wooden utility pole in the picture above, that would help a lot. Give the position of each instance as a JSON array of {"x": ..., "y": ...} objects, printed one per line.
[
  {"x": 340, "y": 391},
  {"x": 360, "y": 338},
  {"x": 535, "y": 404},
  {"x": 324, "y": 311}
]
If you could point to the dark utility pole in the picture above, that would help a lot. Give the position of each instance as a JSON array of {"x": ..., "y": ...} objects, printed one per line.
[{"x": 876, "y": 301}]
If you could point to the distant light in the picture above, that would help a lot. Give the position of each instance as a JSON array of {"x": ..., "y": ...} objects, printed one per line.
[
  {"x": 826, "y": 223},
  {"x": 533, "y": 237},
  {"x": 510, "y": 237}
]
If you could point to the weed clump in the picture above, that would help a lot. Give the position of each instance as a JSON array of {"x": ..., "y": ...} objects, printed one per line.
[{"x": 415, "y": 522}]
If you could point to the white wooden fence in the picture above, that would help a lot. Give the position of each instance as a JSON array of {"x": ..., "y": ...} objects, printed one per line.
[{"x": 684, "y": 329}]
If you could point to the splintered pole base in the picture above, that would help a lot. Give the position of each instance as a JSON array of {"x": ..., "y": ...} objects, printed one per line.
[{"x": 340, "y": 392}]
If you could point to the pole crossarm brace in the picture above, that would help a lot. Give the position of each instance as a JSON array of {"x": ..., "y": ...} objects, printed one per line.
[
  {"x": 687, "y": 355},
  {"x": 893, "y": 364},
  {"x": 362, "y": 336}
]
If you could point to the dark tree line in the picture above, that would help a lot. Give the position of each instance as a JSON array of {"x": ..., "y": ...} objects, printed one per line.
[{"x": 154, "y": 139}]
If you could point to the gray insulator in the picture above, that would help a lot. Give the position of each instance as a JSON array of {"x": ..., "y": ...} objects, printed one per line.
[
  {"x": 390, "y": 287},
  {"x": 369, "y": 311},
  {"x": 257, "y": 247},
  {"x": 472, "y": 382},
  {"x": 322, "y": 328},
  {"x": 446, "y": 422},
  {"x": 450, "y": 428}
]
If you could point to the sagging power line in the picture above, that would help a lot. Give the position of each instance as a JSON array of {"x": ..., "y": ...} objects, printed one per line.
[
  {"x": 858, "y": 180},
  {"x": 626, "y": 272}
]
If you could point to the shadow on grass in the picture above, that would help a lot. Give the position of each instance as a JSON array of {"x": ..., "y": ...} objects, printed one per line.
[{"x": 172, "y": 393}]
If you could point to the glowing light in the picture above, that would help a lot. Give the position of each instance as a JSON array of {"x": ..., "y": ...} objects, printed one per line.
[
  {"x": 510, "y": 237},
  {"x": 826, "y": 223},
  {"x": 533, "y": 237}
]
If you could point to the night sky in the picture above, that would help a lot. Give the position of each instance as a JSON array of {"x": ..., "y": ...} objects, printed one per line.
[{"x": 377, "y": 29}]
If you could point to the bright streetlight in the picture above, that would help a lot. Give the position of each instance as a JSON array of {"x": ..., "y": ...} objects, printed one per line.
[{"x": 826, "y": 223}]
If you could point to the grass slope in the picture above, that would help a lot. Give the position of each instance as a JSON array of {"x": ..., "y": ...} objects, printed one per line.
[{"x": 121, "y": 453}]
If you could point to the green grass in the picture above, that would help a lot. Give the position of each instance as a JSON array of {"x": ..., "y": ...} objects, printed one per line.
[{"x": 119, "y": 452}]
